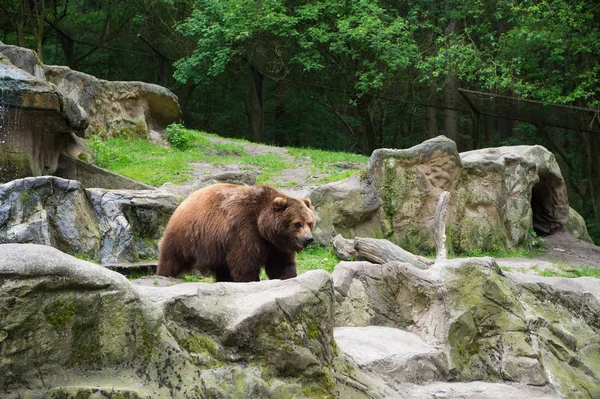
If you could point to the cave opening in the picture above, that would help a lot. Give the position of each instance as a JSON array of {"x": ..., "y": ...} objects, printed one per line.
[{"x": 544, "y": 206}]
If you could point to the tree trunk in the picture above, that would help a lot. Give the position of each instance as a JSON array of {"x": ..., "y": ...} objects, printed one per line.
[
  {"x": 68, "y": 46},
  {"x": 592, "y": 184},
  {"x": 21, "y": 25},
  {"x": 280, "y": 114},
  {"x": 370, "y": 136},
  {"x": 432, "y": 123},
  {"x": 184, "y": 94},
  {"x": 257, "y": 113},
  {"x": 451, "y": 117}
]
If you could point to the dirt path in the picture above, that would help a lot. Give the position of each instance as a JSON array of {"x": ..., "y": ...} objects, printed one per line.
[
  {"x": 563, "y": 247},
  {"x": 301, "y": 177}
]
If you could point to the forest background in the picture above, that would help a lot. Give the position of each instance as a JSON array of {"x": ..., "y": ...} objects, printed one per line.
[{"x": 350, "y": 75}]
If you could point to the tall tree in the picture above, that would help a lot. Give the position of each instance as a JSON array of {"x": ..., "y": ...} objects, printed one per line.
[{"x": 352, "y": 47}]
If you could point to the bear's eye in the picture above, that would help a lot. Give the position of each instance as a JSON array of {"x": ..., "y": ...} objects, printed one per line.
[{"x": 297, "y": 225}]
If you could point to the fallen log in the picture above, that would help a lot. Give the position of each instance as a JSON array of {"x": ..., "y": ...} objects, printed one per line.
[{"x": 376, "y": 251}]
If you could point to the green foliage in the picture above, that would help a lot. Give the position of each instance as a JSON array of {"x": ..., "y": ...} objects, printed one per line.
[
  {"x": 539, "y": 244},
  {"x": 179, "y": 137},
  {"x": 136, "y": 274}
]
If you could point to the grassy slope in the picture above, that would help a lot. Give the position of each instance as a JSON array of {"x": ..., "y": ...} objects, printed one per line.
[{"x": 152, "y": 164}]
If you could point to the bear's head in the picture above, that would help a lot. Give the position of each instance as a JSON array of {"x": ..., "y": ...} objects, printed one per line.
[{"x": 288, "y": 224}]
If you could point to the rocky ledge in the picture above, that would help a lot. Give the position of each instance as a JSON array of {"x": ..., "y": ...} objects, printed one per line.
[{"x": 461, "y": 328}]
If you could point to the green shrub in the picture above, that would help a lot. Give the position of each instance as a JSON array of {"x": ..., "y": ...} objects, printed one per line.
[{"x": 179, "y": 137}]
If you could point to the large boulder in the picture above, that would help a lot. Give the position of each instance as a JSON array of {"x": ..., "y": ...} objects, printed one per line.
[
  {"x": 500, "y": 198},
  {"x": 491, "y": 327},
  {"x": 105, "y": 226},
  {"x": 410, "y": 182},
  {"x": 72, "y": 329},
  {"x": 136, "y": 109},
  {"x": 346, "y": 207},
  {"x": 46, "y": 110},
  {"x": 505, "y": 194},
  {"x": 37, "y": 121}
]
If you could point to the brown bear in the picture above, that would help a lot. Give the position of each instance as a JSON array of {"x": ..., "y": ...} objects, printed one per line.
[{"x": 232, "y": 231}]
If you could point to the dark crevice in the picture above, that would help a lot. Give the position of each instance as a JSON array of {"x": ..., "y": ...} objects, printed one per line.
[{"x": 544, "y": 202}]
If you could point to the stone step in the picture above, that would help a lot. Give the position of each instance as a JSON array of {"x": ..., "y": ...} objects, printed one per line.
[
  {"x": 475, "y": 390},
  {"x": 137, "y": 269},
  {"x": 394, "y": 355}
]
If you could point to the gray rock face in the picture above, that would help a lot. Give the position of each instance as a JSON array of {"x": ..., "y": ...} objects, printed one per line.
[
  {"x": 36, "y": 121},
  {"x": 346, "y": 207},
  {"x": 133, "y": 108},
  {"x": 71, "y": 328},
  {"x": 393, "y": 354},
  {"x": 101, "y": 225},
  {"x": 498, "y": 197},
  {"x": 490, "y": 327},
  {"x": 74, "y": 329},
  {"x": 508, "y": 191}
]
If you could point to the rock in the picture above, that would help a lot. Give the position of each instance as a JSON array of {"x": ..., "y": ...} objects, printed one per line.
[
  {"x": 410, "y": 183},
  {"x": 36, "y": 119},
  {"x": 132, "y": 222},
  {"x": 500, "y": 197},
  {"x": 89, "y": 175},
  {"x": 393, "y": 354},
  {"x": 477, "y": 390},
  {"x": 576, "y": 226},
  {"x": 135, "y": 109},
  {"x": 345, "y": 207},
  {"x": 44, "y": 108},
  {"x": 23, "y": 58},
  {"x": 105, "y": 226},
  {"x": 503, "y": 191},
  {"x": 49, "y": 211},
  {"x": 87, "y": 329},
  {"x": 518, "y": 328}
]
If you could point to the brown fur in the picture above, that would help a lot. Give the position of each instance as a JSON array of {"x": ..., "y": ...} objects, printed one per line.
[{"x": 232, "y": 231}]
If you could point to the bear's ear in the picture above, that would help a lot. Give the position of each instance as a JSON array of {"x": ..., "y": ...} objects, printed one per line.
[
  {"x": 306, "y": 201},
  {"x": 279, "y": 203}
]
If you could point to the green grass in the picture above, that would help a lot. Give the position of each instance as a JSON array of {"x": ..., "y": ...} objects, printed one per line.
[
  {"x": 316, "y": 257},
  {"x": 571, "y": 271},
  {"x": 501, "y": 253},
  {"x": 320, "y": 157},
  {"x": 141, "y": 160},
  {"x": 188, "y": 278}
]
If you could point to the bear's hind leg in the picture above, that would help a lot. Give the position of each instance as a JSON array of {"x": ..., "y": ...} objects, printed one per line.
[{"x": 170, "y": 264}]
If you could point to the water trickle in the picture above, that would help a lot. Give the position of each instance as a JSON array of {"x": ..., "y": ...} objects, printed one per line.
[{"x": 10, "y": 115}]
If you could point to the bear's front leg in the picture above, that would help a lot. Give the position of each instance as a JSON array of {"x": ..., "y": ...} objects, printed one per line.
[
  {"x": 244, "y": 266},
  {"x": 281, "y": 265}
]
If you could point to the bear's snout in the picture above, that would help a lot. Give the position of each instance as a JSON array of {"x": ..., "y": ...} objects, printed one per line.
[{"x": 307, "y": 241}]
